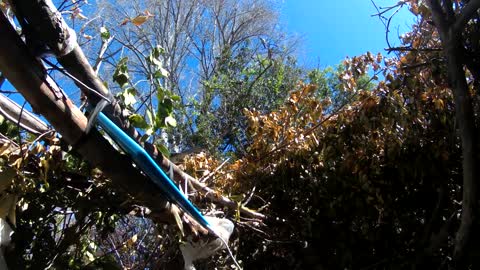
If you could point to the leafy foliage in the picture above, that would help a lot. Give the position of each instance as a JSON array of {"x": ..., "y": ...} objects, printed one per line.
[
  {"x": 241, "y": 82},
  {"x": 372, "y": 182},
  {"x": 358, "y": 167}
]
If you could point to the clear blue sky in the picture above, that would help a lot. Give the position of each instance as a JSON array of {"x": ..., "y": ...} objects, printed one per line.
[{"x": 332, "y": 30}]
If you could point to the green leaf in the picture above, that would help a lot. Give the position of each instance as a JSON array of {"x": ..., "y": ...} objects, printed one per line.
[
  {"x": 160, "y": 94},
  {"x": 168, "y": 103},
  {"x": 237, "y": 198},
  {"x": 154, "y": 56},
  {"x": 160, "y": 73},
  {"x": 175, "y": 98},
  {"x": 129, "y": 96},
  {"x": 157, "y": 51},
  {"x": 138, "y": 121},
  {"x": 164, "y": 108},
  {"x": 149, "y": 131},
  {"x": 170, "y": 121},
  {"x": 104, "y": 33},
  {"x": 120, "y": 76},
  {"x": 162, "y": 112},
  {"x": 144, "y": 137},
  {"x": 89, "y": 255},
  {"x": 150, "y": 117},
  {"x": 154, "y": 59},
  {"x": 93, "y": 246},
  {"x": 121, "y": 79},
  {"x": 163, "y": 149}
]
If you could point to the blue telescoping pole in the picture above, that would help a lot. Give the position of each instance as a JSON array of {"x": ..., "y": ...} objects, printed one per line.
[{"x": 146, "y": 163}]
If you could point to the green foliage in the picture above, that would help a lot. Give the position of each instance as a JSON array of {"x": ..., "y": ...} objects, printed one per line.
[
  {"x": 155, "y": 60},
  {"x": 371, "y": 182},
  {"x": 104, "y": 33},
  {"x": 120, "y": 76},
  {"x": 58, "y": 205},
  {"x": 351, "y": 171},
  {"x": 8, "y": 129},
  {"x": 165, "y": 100},
  {"x": 138, "y": 121},
  {"x": 241, "y": 82}
]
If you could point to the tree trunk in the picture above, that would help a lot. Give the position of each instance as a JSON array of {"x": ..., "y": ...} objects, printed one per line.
[{"x": 451, "y": 35}]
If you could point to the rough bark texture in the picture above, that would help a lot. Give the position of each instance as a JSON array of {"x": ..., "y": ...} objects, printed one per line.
[{"x": 450, "y": 29}]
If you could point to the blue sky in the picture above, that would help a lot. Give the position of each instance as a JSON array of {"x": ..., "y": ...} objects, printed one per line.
[{"x": 332, "y": 30}]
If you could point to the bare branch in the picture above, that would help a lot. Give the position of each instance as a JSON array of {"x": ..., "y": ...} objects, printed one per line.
[
  {"x": 103, "y": 49},
  {"x": 12, "y": 111},
  {"x": 410, "y": 49}
]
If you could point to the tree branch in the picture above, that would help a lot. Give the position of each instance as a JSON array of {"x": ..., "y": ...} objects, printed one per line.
[
  {"x": 453, "y": 50},
  {"x": 438, "y": 15},
  {"x": 28, "y": 76},
  {"x": 12, "y": 111},
  {"x": 467, "y": 12},
  {"x": 40, "y": 14}
]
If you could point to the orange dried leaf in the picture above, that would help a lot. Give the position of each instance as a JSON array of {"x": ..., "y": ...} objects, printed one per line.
[
  {"x": 141, "y": 19},
  {"x": 439, "y": 105}
]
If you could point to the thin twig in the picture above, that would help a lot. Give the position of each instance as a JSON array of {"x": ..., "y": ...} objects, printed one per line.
[
  {"x": 19, "y": 126},
  {"x": 205, "y": 178},
  {"x": 66, "y": 73}
]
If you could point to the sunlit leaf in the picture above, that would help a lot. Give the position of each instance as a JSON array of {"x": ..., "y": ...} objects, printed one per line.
[
  {"x": 5, "y": 149},
  {"x": 129, "y": 96},
  {"x": 161, "y": 72},
  {"x": 141, "y": 19},
  {"x": 87, "y": 37},
  {"x": 104, "y": 33},
  {"x": 439, "y": 104},
  {"x": 150, "y": 117},
  {"x": 89, "y": 256},
  {"x": 149, "y": 131},
  {"x": 120, "y": 76},
  {"x": 163, "y": 149},
  {"x": 138, "y": 121},
  {"x": 170, "y": 121}
]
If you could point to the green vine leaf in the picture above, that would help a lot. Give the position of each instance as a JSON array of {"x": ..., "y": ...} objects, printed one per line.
[
  {"x": 104, "y": 33},
  {"x": 170, "y": 121},
  {"x": 138, "y": 121},
  {"x": 120, "y": 76},
  {"x": 163, "y": 149}
]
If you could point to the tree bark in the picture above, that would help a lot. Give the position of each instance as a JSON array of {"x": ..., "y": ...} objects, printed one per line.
[
  {"x": 26, "y": 120},
  {"x": 451, "y": 36}
]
